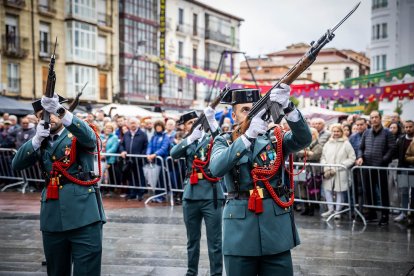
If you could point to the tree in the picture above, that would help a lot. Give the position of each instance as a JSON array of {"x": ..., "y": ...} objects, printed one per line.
[{"x": 371, "y": 106}]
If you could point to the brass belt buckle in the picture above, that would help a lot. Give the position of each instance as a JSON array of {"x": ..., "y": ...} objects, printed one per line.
[
  {"x": 200, "y": 175},
  {"x": 260, "y": 191}
]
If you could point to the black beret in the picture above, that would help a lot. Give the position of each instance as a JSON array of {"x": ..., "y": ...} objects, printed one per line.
[
  {"x": 240, "y": 96},
  {"x": 37, "y": 106},
  {"x": 186, "y": 117}
]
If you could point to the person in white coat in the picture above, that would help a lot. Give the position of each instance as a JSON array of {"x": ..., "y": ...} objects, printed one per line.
[{"x": 338, "y": 151}]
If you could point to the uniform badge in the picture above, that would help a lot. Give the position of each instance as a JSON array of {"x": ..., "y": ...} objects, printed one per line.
[
  {"x": 272, "y": 155},
  {"x": 202, "y": 153},
  {"x": 67, "y": 151},
  {"x": 268, "y": 147},
  {"x": 263, "y": 156}
]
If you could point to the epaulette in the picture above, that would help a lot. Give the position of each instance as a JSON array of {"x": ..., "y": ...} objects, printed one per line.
[{"x": 227, "y": 136}]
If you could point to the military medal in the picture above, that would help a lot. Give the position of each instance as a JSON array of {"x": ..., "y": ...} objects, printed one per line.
[
  {"x": 263, "y": 156},
  {"x": 67, "y": 151},
  {"x": 202, "y": 153}
]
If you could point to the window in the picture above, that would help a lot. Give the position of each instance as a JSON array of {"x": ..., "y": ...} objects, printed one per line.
[
  {"x": 180, "y": 16},
  {"x": 13, "y": 80},
  {"x": 102, "y": 16},
  {"x": 384, "y": 30},
  {"x": 194, "y": 57},
  {"x": 81, "y": 41},
  {"x": 44, "y": 35},
  {"x": 180, "y": 50},
  {"x": 195, "y": 31},
  {"x": 83, "y": 8},
  {"x": 384, "y": 62},
  {"x": 77, "y": 76},
  {"x": 102, "y": 59},
  {"x": 12, "y": 33},
  {"x": 348, "y": 72},
  {"x": 376, "y": 4}
]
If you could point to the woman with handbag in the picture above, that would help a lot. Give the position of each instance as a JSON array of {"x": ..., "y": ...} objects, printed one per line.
[
  {"x": 311, "y": 186},
  {"x": 336, "y": 151}
]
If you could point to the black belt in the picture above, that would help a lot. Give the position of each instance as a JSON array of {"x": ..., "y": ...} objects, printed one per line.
[{"x": 281, "y": 190}]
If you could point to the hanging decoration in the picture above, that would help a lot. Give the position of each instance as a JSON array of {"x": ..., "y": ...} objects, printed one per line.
[{"x": 387, "y": 76}]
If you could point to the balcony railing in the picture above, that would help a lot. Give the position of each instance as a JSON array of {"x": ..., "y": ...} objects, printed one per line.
[
  {"x": 15, "y": 3},
  {"x": 187, "y": 29},
  {"x": 217, "y": 36},
  {"x": 104, "y": 20},
  {"x": 104, "y": 61},
  {"x": 13, "y": 84},
  {"x": 47, "y": 9},
  {"x": 46, "y": 48},
  {"x": 12, "y": 46}
]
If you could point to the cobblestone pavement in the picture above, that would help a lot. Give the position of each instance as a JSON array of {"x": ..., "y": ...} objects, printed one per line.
[{"x": 151, "y": 240}]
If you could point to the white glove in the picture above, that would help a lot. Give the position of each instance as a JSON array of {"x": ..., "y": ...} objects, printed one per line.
[
  {"x": 195, "y": 135},
  {"x": 41, "y": 134},
  {"x": 51, "y": 105},
  {"x": 257, "y": 125},
  {"x": 281, "y": 95},
  {"x": 210, "y": 116}
]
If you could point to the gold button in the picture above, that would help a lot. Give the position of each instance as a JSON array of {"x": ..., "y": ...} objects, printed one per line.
[
  {"x": 54, "y": 157},
  {"x": 60, "y": 175},
  {"x": 28, "y": 152},
  {"x": 61, "y": 187},
  {"x": 78, "y": 125},
  {"x": 195, "y": 156},
  {"x": 229, "y": 215},
  {"x": 286, "y": 209},
  {"x": 255, "y": 165},
  {"x": 90, "y": 190},
  {"x": 238, "y": 154},
  {"x": 183, "y": 147}
]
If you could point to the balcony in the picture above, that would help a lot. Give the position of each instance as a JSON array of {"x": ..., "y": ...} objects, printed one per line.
[
  {"x": 104, "y": 61},
  {"x": 219, "y": 37},
  {"x": 48, "y": 9},
  {"x": 12, "y": 46},
  {"x": 104, "y": 20},
  {"x": 13, "y": 85},
  {"x": 46, "y": 49},
  {"x": 19, "y": 4}
]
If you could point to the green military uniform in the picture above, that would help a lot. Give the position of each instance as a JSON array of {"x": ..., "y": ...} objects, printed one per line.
[
  {"x": 256, "y": 244},
  {"x": 72, "y": 224},
  {"x": 198, "y": 203}
]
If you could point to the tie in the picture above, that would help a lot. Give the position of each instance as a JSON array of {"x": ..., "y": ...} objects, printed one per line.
[{"x": 55, "y": 138}]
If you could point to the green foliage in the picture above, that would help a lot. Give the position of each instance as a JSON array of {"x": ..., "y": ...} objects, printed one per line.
[
  {"x": 398, "y": 108},
  {"x": 371, "y": 107}
]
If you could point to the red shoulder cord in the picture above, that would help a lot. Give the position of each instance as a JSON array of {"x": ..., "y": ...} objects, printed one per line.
[
  {"x": 198, "y": 164},
  {"x": 61, "y": 167},
  {"x": 264, "y": 174}
]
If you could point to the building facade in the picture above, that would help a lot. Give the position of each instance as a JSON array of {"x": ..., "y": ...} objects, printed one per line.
[
  {"x": 392, "y": 39},
  {"x": 196, "y": 36},
  {"x": 86, "y": 49},
  {"x": 331, "y": 66},
  {"x": 138, "y": 35}
]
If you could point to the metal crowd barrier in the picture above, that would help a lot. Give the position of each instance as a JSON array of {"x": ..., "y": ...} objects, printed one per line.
[
  {"x": 363, "y": 186},
  {"x": 15, "y": 177},
  {"x": 135, "y": 172},
  {"x": 372, "y": 186}
]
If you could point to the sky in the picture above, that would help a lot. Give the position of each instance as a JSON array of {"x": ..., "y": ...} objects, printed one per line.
[{"x": 271, "y": 25}]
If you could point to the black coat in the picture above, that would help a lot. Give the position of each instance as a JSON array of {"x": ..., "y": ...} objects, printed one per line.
[
  {"x": 134, "y": 145},
  {"x": 377, "y": 148},
  {"x": 400, "y": 152}
]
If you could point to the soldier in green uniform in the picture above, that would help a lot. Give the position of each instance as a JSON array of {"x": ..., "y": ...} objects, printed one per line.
[
  {"x": 257, "y": 243},
  {"x": 71, "y": 215},
  {"x": 203, "y": 195}
]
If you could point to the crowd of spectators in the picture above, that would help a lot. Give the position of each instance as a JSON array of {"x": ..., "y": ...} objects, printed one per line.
[{"x": 378, "y": 141}]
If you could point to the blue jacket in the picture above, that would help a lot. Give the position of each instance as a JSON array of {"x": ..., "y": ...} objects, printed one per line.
[
  {"x": 355, "y": 140},
  {"x": 134, "y": 145},
  {"x": 159, "y": 144},
  {"x": 112, "y": 144}
]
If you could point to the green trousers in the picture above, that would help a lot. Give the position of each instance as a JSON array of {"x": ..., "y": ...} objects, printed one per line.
[
  {"x": 194, "y": 211},
  {"x": 82, "y": 246},
  {"x": 268, "y": 265}
]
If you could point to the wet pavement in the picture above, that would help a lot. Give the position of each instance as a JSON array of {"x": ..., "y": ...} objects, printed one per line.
[{"x": 151, "y": 240}]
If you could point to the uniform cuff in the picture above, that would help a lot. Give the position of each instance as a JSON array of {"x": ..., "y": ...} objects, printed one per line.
[
  {"x": 67, "y": 119},
  {"x": 35, "y": 144},
  {"x": 293, "y": 116}
]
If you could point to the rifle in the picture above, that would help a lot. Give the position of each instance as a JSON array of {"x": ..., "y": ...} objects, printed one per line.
[
  {"x": 273, "y": 108},
  {"x": 75, "y": 102},
  {"x": 50, "y": 86},
  {"x": 202, "y": 119}
]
